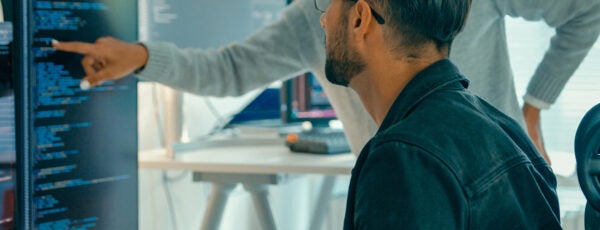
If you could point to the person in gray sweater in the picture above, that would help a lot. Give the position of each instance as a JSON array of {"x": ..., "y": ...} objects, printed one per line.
[{"x": 295, "y": 44}]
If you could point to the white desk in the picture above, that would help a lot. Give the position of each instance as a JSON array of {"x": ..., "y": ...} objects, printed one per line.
[{"x": 255, "y": 165}]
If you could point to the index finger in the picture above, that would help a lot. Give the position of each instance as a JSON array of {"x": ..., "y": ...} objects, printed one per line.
[{"x": 75, "y": 47}]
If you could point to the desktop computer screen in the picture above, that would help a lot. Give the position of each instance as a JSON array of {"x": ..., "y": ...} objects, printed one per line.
[
  {"x": 80, "y": 146},
  {"x": 303, "y": 99},
  {"x": 7, "y": 130}
]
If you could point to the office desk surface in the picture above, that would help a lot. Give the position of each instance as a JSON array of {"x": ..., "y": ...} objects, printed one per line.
[{"x": 255, "y": 159}]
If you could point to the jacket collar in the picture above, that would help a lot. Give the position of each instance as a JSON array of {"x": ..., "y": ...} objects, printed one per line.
[{"x": 440, "y": 75}]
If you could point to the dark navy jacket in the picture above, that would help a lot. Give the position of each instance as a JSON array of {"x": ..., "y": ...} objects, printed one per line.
[{"x": 445, "y": 159}]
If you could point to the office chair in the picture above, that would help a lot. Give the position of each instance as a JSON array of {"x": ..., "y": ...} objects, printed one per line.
[{"x": 587, "y": 153}]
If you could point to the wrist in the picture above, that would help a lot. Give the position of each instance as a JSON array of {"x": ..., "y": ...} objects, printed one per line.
[
  {"x": 530, "y": 112},
  {"x": 143, "y": 60},
  {"x": 535, "y": 102}
]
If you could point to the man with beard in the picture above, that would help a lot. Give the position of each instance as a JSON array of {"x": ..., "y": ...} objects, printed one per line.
[{"x": 442, "y": 157}]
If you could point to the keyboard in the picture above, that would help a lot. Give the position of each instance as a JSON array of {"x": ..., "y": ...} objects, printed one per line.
[{"x": 318, "y": 142}]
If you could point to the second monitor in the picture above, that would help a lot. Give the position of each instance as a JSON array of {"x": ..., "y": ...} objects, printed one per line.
[{"x": 303, "y": 99}]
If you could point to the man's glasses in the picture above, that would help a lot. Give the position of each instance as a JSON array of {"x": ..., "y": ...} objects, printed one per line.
[{"x": 322, "y": 6}]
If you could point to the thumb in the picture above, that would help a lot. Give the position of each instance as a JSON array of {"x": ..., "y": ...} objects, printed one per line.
[{"x": 94, "y": 80}]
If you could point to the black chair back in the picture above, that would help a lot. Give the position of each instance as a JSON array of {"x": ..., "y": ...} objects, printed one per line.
[{"x": 587, "y": 153}]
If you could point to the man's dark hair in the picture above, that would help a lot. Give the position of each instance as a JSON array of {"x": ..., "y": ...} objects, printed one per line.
[{"x": 422, "y": 21}]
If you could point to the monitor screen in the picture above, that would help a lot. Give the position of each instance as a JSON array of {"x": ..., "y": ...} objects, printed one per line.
[
  {"x": 303, "y": 99},
  {"x": 7, "y": 130},
  {"x": 6, "y": 81},
  {"x": 82, "y": 154}
]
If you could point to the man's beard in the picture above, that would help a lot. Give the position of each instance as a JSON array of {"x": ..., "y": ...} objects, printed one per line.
[{"x": 342, "y": 62}]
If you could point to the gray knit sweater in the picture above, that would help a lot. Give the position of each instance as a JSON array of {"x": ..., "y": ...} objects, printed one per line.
[{"x": 295, "y": 44}]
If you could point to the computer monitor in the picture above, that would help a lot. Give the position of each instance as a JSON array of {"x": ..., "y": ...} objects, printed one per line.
[
  {"x": 303, "y": 99},
  {"x": 77, "y": 150},
  {"x": 7, "y": 130}
]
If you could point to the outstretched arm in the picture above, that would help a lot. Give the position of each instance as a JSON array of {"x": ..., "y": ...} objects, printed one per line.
[
  {"x": 279, "y": 51},
  {"x": 106, "y": 59}
]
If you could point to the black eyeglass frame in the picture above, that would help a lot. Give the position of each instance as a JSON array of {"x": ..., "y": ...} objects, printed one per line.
[{"x": 377, "y": 16}]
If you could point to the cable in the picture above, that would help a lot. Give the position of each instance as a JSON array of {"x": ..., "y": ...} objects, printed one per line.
[
  {"x": 157, "y": 116},
  {"x": 169, "y": 199},
  {"x": 220, "y": 118},
  {"x": 160, "y": 131},
  {"x": 176, "y": 178}
]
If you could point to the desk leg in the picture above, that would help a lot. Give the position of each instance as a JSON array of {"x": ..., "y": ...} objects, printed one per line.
[
  {"x": 216, "y": 205},
  {"x": 322, "y": 206},
  {"x": 259, "y": 196}
]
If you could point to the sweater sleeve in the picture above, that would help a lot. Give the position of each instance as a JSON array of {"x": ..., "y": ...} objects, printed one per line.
[
  {"x": 577, "y": 24},
  {"x": 279, "y": 51}
]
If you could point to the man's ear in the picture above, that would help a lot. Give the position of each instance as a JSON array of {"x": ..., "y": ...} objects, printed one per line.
[{"x": 361, "y": 18}]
